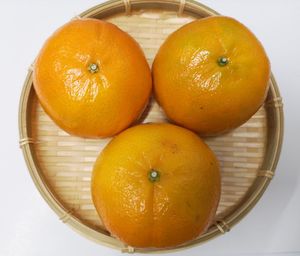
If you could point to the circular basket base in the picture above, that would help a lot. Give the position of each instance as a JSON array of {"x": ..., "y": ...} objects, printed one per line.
[{"x": 61, "y": 164}]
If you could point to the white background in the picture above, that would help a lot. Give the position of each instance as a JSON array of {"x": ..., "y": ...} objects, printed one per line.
[{"x": 29, "y": 227}]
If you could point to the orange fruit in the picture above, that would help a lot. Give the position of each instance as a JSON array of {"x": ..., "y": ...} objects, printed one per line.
[
  {"x": 92, "y": 78},
  {"x": 156, "y": 185},
  {"x": 211, "y": 75}
]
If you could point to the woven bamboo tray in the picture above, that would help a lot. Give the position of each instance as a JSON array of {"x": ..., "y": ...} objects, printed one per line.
[{"x": 61, "y": 165}]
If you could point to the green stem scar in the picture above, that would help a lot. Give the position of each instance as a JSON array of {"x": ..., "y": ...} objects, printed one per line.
[
  {"x": 93, "y": 68},
  {"x": 153, "y": 175},
  {"x": 223, "y": 61}
]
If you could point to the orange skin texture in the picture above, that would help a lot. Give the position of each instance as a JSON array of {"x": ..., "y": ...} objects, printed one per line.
[
  {"x": 199, "y": 94},
  {"x": 167, "y": 212},
  {"x": 90, "y": 104}
]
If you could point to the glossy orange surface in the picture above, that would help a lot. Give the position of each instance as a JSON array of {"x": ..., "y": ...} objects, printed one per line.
[
  {"x": 92, "y": 78},
  {"x": 174, "y": 206},
  {"x": 199, "y": 91}
]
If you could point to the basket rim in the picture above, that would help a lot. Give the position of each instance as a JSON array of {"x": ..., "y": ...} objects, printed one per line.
[{"x": 102, "y": 237}]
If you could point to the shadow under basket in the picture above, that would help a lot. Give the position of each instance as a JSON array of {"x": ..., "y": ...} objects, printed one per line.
[{"x": 61, "y": 164}]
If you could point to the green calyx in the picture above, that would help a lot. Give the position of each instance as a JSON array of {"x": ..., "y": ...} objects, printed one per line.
[
  {"x": 93, "y": 68},
  {"x": 153, "y": 175},
  {"x": 223, "y": 61}
]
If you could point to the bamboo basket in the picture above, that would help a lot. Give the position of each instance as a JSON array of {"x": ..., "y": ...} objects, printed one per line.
[{"x": 61, "y": 165}]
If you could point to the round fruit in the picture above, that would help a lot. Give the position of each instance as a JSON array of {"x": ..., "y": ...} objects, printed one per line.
[
  {"x": 92, "y": 78},
  {"x": 211, "y": 75},
  {"x": 156, "y": 185}
]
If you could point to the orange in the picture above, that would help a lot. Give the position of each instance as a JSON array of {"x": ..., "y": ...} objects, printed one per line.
[
  {"x": 92, "y": 78},
  {"x": 211, "y": 75},
  {"x": 156, "y": 185}
]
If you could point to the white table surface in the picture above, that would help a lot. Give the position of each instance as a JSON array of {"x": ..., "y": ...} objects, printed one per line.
[{"x": 28, "y": 227}]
